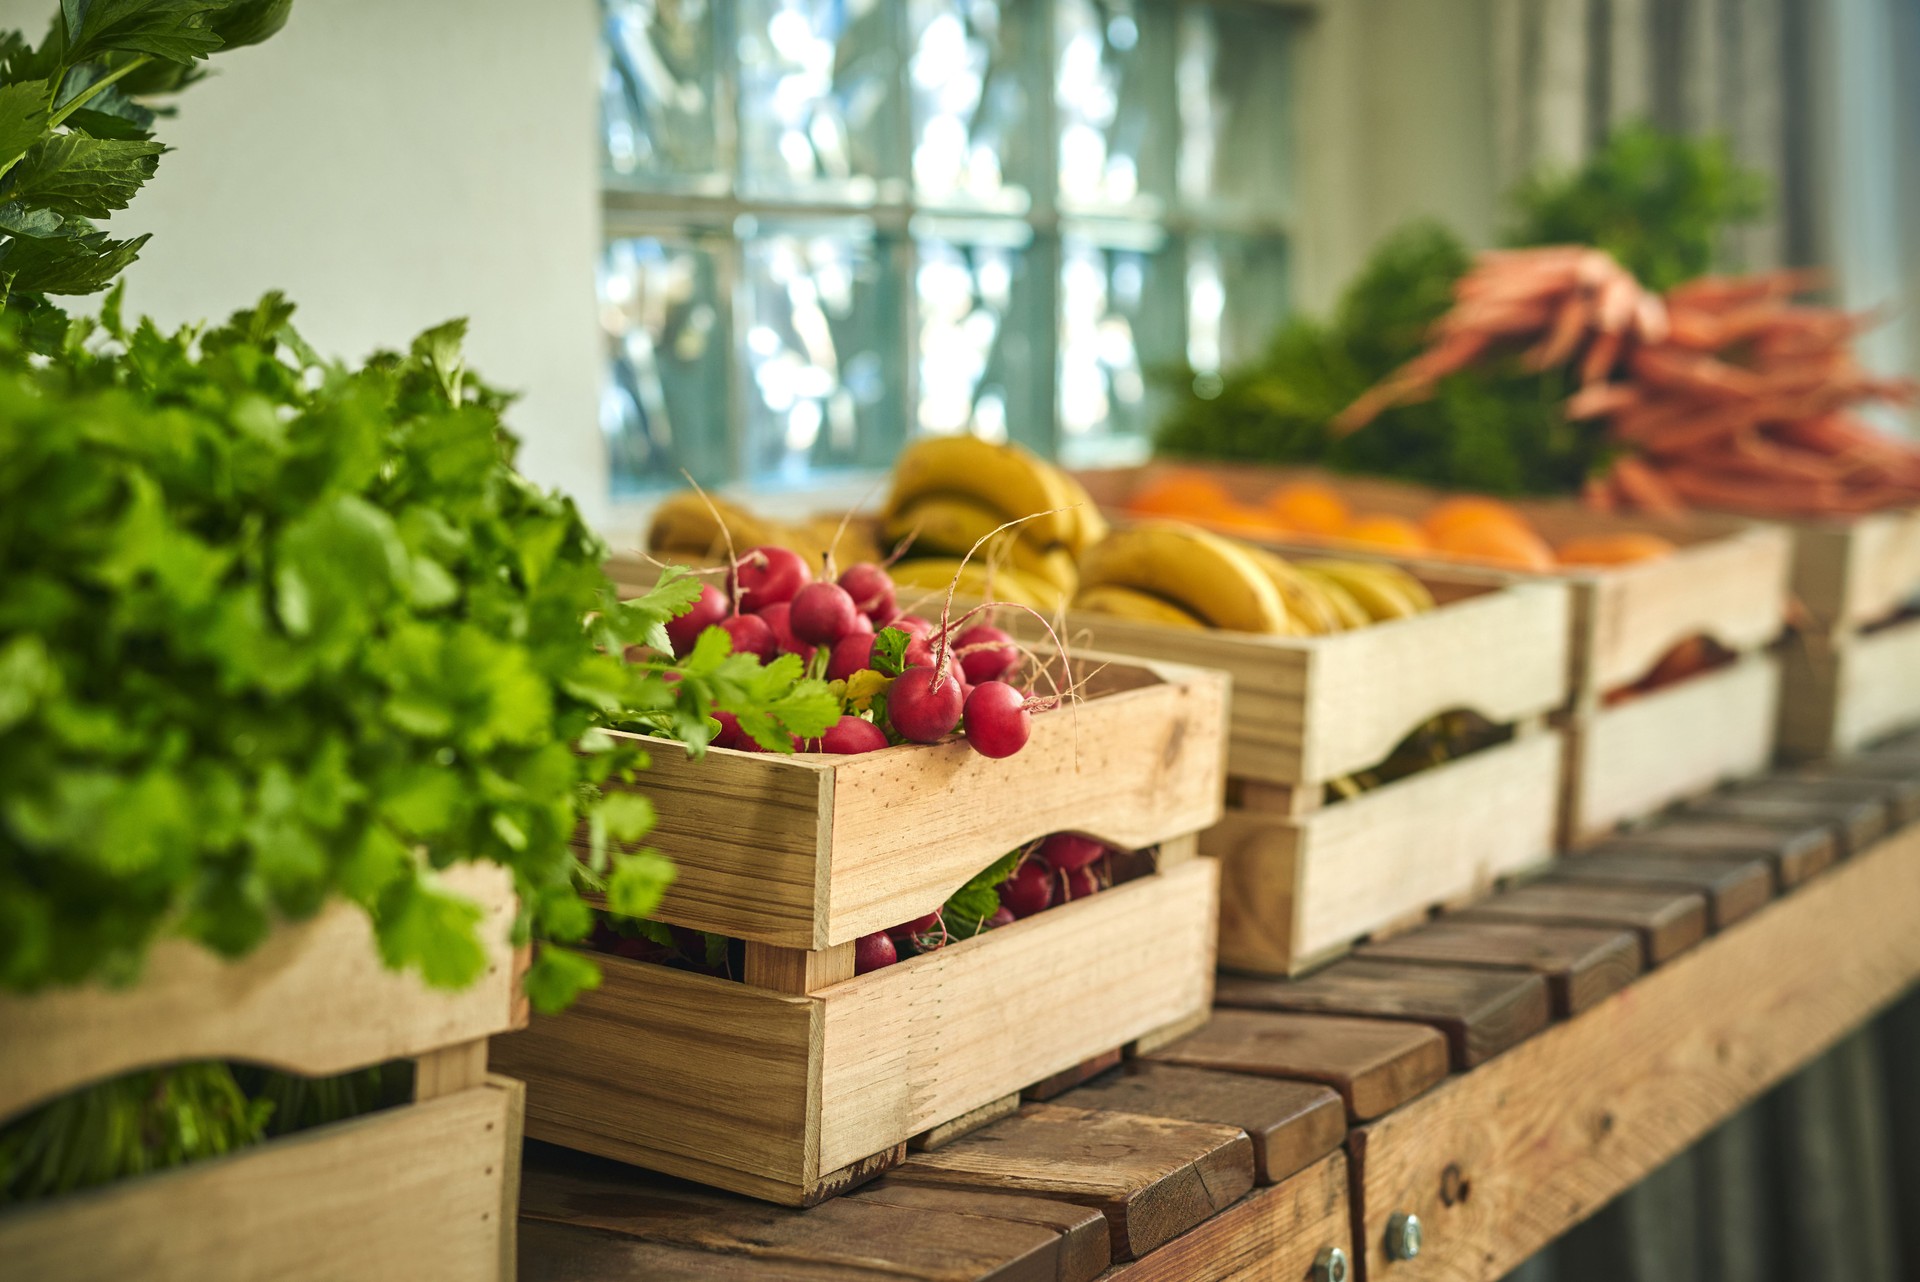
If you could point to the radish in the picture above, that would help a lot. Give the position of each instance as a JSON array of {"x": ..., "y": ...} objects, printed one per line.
[
  {"x": 998, "y": 723},
  {"x": 710, "y": 608},
  {"x": 871, "y": 589},
  {"x": 986, "y": 652},
  {"x": 1077, "y": 884},
  {"x": 821, "y": 613},
  {"x": 751, "y": 635},
  {"x": 912, "y": 624},
  {"x": 1028, "y": 891},
  {"x": 850, "y": 736},
  {"x": 871, "y": 952},
  {"x": 776, "y": 617},
  {"x": 919, "y": 925},
  {"x": 918, "y": 653},
  {"x": 1066, "y": 851},
  {"x": 924, "y": 706},
  {"x": 862, "y": 626},
  {"x": 1002, "y": 916},
  {"x": 728, "y": 736},
  {"x": 850, "y": 655},
  {"x": 768, "y": 576}
]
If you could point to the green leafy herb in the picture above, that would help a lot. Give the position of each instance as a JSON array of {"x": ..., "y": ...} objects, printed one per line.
[{"x": 979, "y": 899}]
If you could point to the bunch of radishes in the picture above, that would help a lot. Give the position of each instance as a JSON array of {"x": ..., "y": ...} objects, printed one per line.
[
  {"x": 1063, "y": 867},
  {"x": 948, "y": 677}
]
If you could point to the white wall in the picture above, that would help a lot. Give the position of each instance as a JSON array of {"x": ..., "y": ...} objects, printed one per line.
[{"x": 390, "y": 164}]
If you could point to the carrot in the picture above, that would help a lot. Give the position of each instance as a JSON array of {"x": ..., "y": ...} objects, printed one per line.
[
  {"x": 1569, "y": 327},
  {"x": 1644, "y": 488}
]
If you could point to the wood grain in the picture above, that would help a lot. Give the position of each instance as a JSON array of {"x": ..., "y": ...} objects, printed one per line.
[
  {"x": 1581, "y": 964},
  {"x": 1481, "y": 1012},
  {"x": 1272, "y": 1235},
  {"x": 1058, "y": 1084},
  {"x": 1855, "y": 824},
  {"x": 1668, "y": 921},
  {"x": 1153, "y": 1178},
  {"x": 1548, "y": 1134},
  {"x": 1735, "y": 886},
  {"x": 192, "y": 1004},
  {"x": 1292, "y": 1124},
  {"x": 797, "y": 971},
  {"x": 412, "y": 1191},
  {"x": 1085, "y": 1250},
  {"x": 1799, "y": 852},
  {"x": 1375, "y": 1064}
]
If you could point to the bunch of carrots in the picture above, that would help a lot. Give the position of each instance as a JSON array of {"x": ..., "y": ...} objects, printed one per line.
[{"x": 1723, "y": 393}]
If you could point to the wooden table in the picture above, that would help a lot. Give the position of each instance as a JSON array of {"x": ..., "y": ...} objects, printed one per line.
[{"x": 1497, "y": 1075}]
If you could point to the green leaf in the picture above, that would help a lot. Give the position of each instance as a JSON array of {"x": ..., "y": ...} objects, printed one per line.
[
  {"x": 23, "y": 118},
  {"x": 629, "y": 816},
  {"x": 177, "y": 30},
  {"x": 890, "y": 651},
  {"x": 638, "y": 882},
  {"x": 248, "y": 22},
  {"x": 72, "y": 173},
  {"x": 421, "y": 927},
  {"x": 558, "y": 976},
  {"x": 27, "y": 675},
  {"x": 67, "y": 264}
]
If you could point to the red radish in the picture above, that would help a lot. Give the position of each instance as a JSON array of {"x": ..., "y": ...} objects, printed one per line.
[
  {"x": 871, "y": 952},
  {"x": 709, "y": 608},
  {"x": 751, "y": 635},
  {"x": 919, "y": 654},
  {"x": 850, "y": 655},
  {"x": 767, "y": 576},
  {"x": 821, "y": 613},
  {"x": 998, "y": 724},
  {"x": 776, "y": 617},
  {"x": 871, "y": 589},
  {"x": 729, "y": 735},
  {"x": 1077, "y": 884},
  {"x": 1029, "y": 890},
  {"x": 919, "y": 925},
  {"x": 850, "y": 736},
  {"x": 862, "y": 626},
  {"x": 912, "y": 624},
  {"x": 1002, "y": 916},
  {"x": 986, "y": 652},
  {"x": 924, "y": 709},
  {"x": 1066, "y": 851}
]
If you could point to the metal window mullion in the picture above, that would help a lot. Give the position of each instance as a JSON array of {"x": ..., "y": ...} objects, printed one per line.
[
  {"x": 1044, "y": 215},
  {"x": 732, "y": 255}
]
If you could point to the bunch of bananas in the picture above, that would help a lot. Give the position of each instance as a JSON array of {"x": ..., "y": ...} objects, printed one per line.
[
  {"x": 1182, "y": 576},
  {"x": 949, "y": 492},
  {"x": 694, "y": 528}
]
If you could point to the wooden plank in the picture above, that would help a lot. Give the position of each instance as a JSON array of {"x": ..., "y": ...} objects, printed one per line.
[
  {"x": 191, "y": 1004},
  {"x": 1799, "y": 852},
  {"x": 1899, "y": 779},
  {"x": 1086, "y": 1248},
  {"x": 798, "y": 971},
  {"x": 1632, "y": 759},
  {"x": 1548, "y": 1134},
  {"x": 1581, "y": 964},
  {"x": 1481, "y": 1012},
  {"x": 1898, "y": 799},
  {"x": 1153, "y": 1178},
  {"x": 451, "y": 1069},
  {"x": 1296, "y": 890},
  {"x": 1272, "y": 1235},
  {"x": 1736, "y": 887},
  {"x": 585, "y": 1220},
  {"x": 1858, "y": 571},
  {"x": 1058, "y": 1084},
  {"x": 918, "y": 1043},
  {"x": 412, "y": 1191},
  {"x": 1855, "y": 824},
  {"x": 1292, "y": 1124},
  {"x": 1375, "y": 1064},
  {"x": 965, "y": 1124},
  {"x": 1668, "y": 921}
]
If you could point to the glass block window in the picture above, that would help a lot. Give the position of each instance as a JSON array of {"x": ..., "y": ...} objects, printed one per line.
[{"x": 833, "y": 225}]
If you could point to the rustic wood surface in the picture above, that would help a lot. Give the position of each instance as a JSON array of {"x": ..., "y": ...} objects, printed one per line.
[
  {"x": 1481, "y": 1012},
  {"x": 1857, "y": 571},
  {"x": 1292, "y": 1124},
  {"x": 1735, "y": 887},
  {"x": 1900, "y": 778},
  {"x": 1899, "y": 799},
  {"x": 1798, "y": 851},
  {"x": 1668, "y": 921},
  {"x": 1856, "y": 824},
  {"x": 1546, "y": 1135},
  {"x": 1375, "y": 1064},
  {"x": 1271, "y": 1235},
  {"x": 1581, "y": 964},
  {"x": 1153, "y": 1178},
  {"x": 1068, "y": 1078},
  {"x": 1841, "y": 691}
]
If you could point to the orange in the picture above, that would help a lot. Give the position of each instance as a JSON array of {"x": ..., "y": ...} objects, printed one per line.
[
  {"x": 1383, "y": 531},
  {"x": 1496, "y": 542},
  {"x": 1470, "y": 509},
  {"x": 1247, "y": 522},
  {"x": 1308, "y": 507},
  {"x": 1182, "y": 494},
  {"x": 1612, "y": 549}
]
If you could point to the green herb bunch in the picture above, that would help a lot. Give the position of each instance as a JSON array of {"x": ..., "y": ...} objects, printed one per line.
[{"x": 274, "y": 630}]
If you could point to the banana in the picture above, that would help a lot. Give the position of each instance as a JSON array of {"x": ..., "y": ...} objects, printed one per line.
[
  {"x": 1309, "y": 613},
  {"x": 1345, "y": 607},
  {"x": 1211, "y": 577},
  {"x": 815, "y": 535},
  {"x": 976, "y": 581},
  {"x": 952, "y": 524},
  {"x": 1001, "y": 478},
  {"x": 1127, "y": 603},
  {"x": 683, "y": 523},
  {"x": 1089, "y": 525},
  {"x": 1384, "y": 591}
]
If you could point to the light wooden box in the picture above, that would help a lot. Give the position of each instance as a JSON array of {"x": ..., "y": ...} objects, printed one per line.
[
  {"x": 792, "y": 1096},
  {"x": 1853, "y": 672},
  {"x": 425, "y": 1190}
]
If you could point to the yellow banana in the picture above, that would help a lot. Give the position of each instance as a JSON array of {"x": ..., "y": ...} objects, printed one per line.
[
  {"x": 1210, "y": 577},
  {"x": 952, "y": 524},
  {"x": 1343, "y": 604},
  {"x": 1384, "y": 591},
  {"x": 1001, "y": 478},
  {"x": 684, "y": 523},
  {"x": 1089, "y": 525},
  {"x": 977, "y": 581},
  {"x": 1309, "y": 613},
  {"x": 815, "y": 535},
  {"x": 1127, "y": 603}
]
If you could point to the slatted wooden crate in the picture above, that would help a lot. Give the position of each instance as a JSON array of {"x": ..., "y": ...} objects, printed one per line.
[
  {"x": 1853, "y": 672},
  {"x": 1726, "y": 580},
  {"x": 804, "y": 1079},
  {"x": 423, "y": 1190}
]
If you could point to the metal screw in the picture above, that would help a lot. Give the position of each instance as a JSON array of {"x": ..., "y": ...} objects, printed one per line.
[
  {"x": 1330, "y": 1265},
  {"x": 1403, "y": 1236}
]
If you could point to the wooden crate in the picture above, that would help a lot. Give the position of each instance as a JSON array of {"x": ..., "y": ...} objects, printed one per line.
[
  {"x": 811, "y": 851},
  {"x": 426, "y": 1189},
  {"x": 800, "y": 1083},
  {"x": 1853, "y": 670}
]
